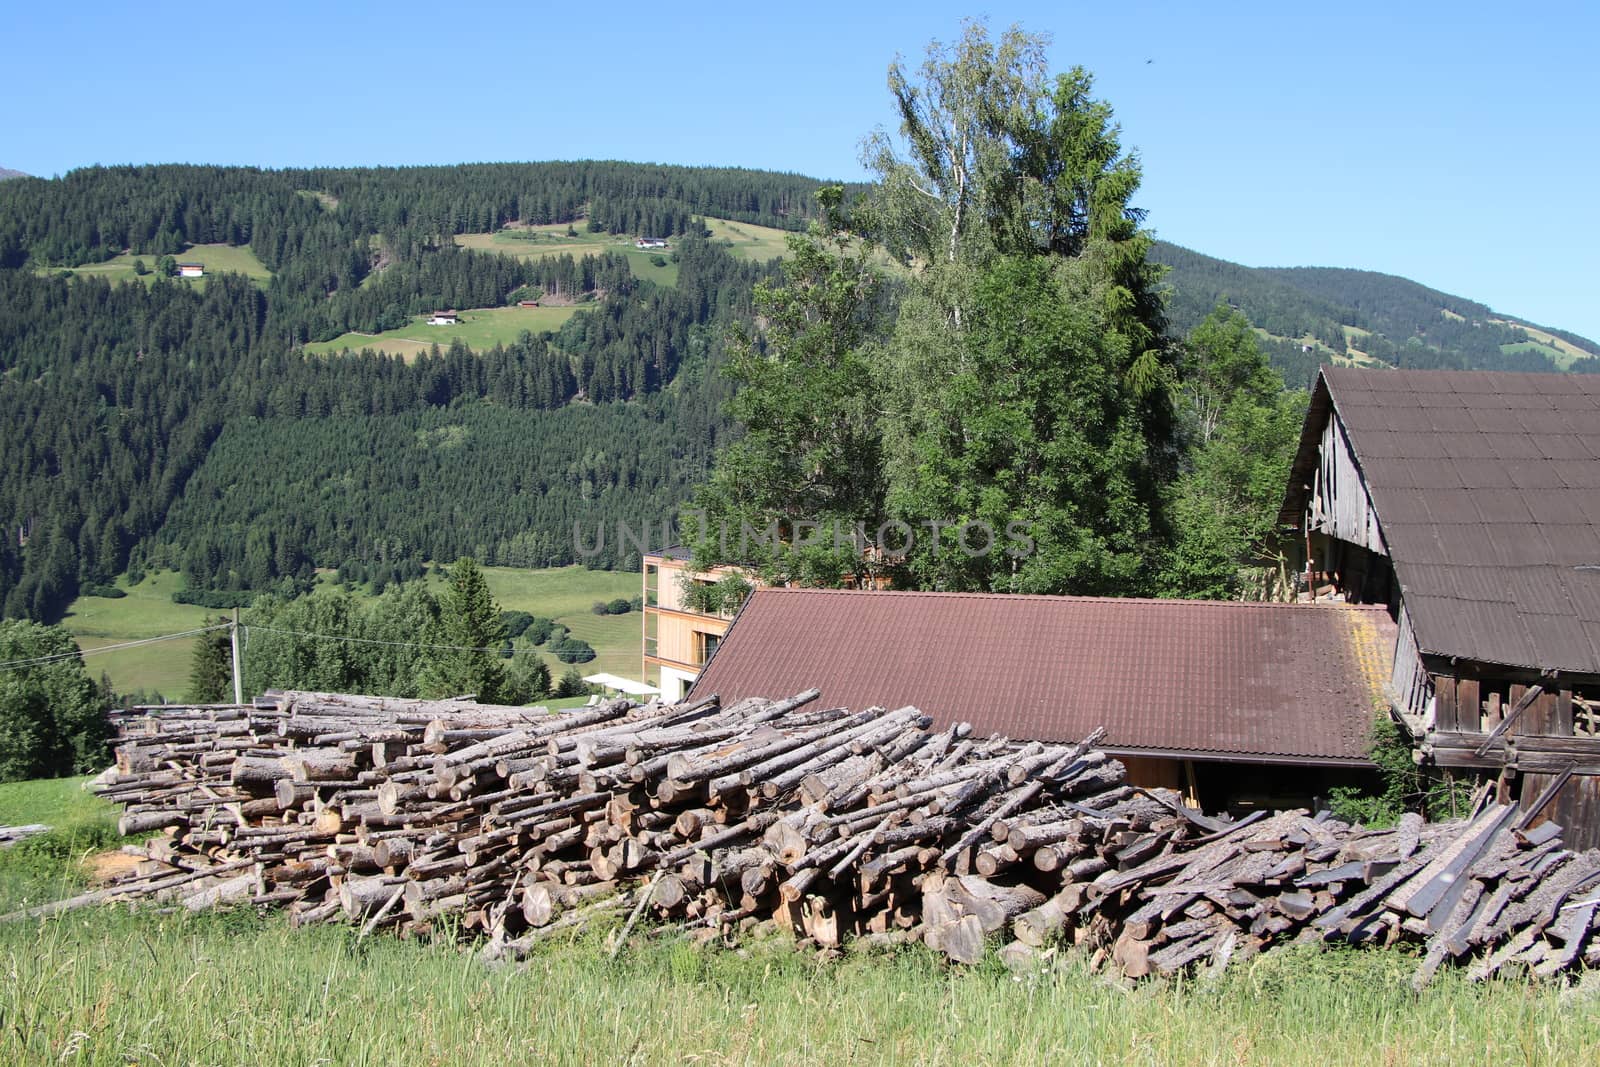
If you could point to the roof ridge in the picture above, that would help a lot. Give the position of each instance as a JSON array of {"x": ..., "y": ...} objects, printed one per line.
[{"x": 1051, "y": 598}]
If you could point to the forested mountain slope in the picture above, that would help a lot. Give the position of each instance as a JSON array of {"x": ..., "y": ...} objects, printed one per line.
[
  {"x": 1315, "y": 314},
  {"x": 152, "y": 420},
  {"x": 162, "y": 421}
]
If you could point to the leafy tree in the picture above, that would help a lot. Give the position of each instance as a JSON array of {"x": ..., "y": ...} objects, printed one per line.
[
  {"x": 1031, "y": 461},
  {"x": 167, "y": 267},
  {"x": 1025, "y": 386},
  {"x": 139, "y": 268},
  {"x": 211, "y": 666},
  {"x": 469, "y": 625},
  {"x": 1241, "y": 429},
  {"x": 52, "y": 716},
  {"x": 811, "y": 451}
]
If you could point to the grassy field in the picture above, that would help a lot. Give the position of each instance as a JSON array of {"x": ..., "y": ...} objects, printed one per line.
[
  {"x": 53, "y": 801},
  {"x": 147, "y": 611},
  {"x": 745, "y": 240},
  {"x": 539, "y": 242},
  {"x": 749, "y": 241},
  {"x": 1557, "y": 356},
  {"x": 109, "y": 987},
  {"x": 480, "y": 328},
  {"x": 53, "y": 864},
  {"x": 565, "y": 594},
  {"x": 1565, "y": 353},
  {"x": 218, "y": 259}
]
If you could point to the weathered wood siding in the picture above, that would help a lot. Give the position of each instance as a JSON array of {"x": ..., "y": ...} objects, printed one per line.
[
  {"x": 1409, "y": 686},
  {"x": 1340, "y": 505}
]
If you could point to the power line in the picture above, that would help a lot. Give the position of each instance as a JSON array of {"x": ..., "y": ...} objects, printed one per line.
[
  {"x": 57, "y": 657},
  {"x": 75, "y": 653},
  {"x": 501, "y": 650}
]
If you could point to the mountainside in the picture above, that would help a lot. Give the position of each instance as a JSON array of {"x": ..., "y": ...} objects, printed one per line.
[
  {"x": 1313, "y": 315},
  {"x": 231, "y": 421},
  {"x": 7, "y": 172}
]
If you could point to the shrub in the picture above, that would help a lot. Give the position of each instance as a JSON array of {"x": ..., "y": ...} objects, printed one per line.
[
  {"x": 110, "y": 592},
  {"x": 620, "y": 606},
  {"x": 539, "y": 630},
  {"x": 516, "y": 623},
  {"x": 571, "y": 684},
  {"x": 215, "y": 599},
  {"x": 572, "y": 650}
]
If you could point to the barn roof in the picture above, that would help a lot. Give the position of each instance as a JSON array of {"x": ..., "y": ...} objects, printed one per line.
[
  {"x": 1487, "y": 490},
  {"x": 1268, "y": 683}
]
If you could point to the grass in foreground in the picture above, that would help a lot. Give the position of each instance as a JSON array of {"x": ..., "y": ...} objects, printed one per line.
[
  {"x": 52, "y": 865},
  {"x": 109, "y": 987}
]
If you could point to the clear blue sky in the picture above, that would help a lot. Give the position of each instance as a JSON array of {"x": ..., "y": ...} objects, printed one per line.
[{"x": 1453, "y": 143}]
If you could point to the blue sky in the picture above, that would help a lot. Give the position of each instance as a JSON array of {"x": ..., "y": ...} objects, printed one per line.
[{"x": 1453, "y": 144}]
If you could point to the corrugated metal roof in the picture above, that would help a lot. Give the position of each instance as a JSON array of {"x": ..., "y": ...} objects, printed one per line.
[
  {"x": 1283, "y": 682},
  {"x": 1490, "y": 506}
]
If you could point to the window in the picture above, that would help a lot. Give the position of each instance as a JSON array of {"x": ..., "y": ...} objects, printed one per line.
[
  {"x": 704, "y": 645},
  {"x": 652, "y": 584}
]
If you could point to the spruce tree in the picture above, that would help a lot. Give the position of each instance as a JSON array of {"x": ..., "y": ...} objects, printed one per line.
[
  {"x": 470, "y": 634},
  {"x": 211, "y": 666}
]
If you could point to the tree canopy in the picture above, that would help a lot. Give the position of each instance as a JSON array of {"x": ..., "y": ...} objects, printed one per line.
[
  {"x": 52, "y": 716},
  {"x": 1007, "y": 417}
]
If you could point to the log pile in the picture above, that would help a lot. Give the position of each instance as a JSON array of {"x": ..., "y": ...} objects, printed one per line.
[{"x": 514, "y": 825}]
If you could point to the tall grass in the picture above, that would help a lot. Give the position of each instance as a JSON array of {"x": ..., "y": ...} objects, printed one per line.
[{"x": 109, "y": 987}]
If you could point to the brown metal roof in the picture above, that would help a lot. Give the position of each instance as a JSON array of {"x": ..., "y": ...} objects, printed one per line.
[
  {"x": 1487, "y": 489},
  {"x": 1263, "y": 682}
]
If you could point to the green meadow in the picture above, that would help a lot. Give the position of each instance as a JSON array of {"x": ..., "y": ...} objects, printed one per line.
[
  {"x": 147, "y": 611},
  {"x": 218, "y": 259},
  {"x": 565, "y": 594},
  {"x": 744, "y": 239},
  {"x": 480, "y": 328},
  {"x": 1559, "y": 356}
]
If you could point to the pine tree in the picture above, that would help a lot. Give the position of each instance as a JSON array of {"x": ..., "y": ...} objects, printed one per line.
[
  {"x": 211, "y": 666},
  {"x": 470, "y": 634}
]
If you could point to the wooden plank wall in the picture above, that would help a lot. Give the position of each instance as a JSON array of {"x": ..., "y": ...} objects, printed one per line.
[{"x": 1539, "y": 746}]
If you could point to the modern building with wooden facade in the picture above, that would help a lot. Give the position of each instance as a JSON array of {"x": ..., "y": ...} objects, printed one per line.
[
  {"x": 1468, "y": 504},
  {"x": 679, "y": 637},
  {"x": 1237, "y": 704}
]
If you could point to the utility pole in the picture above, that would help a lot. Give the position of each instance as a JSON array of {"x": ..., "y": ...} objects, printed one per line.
[{"x": 238, "y": 673}]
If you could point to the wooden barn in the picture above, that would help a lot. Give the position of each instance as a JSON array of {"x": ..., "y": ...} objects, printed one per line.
[
  {"x": 1468, "y": 504},
  {"x": 1237, "y": 705}
]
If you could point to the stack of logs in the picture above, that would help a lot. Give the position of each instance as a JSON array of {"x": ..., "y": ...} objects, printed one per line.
[{"x": 513, "y": 825}]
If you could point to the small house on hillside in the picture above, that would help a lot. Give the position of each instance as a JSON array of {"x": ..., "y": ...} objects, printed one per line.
[
  {"x": 527, "y": 303},
  {"x": 650, "y": 242},
  {"x": 1468, "y": 503},
  {"x": 1233, "y": 703},
  {"x": 444, "y": 318},
  {"x": 191, "y": 270}
]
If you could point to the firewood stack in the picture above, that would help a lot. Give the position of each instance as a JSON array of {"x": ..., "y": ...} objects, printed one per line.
[{"x": 515, "y": 825}]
